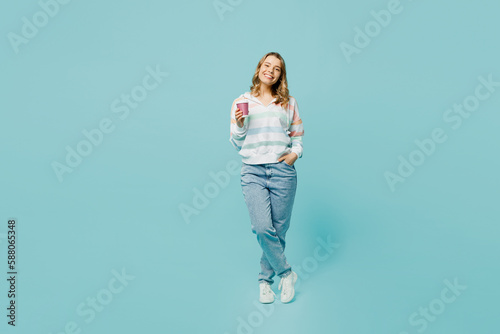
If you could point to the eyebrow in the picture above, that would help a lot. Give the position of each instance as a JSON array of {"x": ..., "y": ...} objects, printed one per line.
[{"x": 266, "y": 62}]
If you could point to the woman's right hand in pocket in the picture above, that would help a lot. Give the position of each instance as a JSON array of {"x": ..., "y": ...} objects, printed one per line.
[{"x": 238, "y": 114}]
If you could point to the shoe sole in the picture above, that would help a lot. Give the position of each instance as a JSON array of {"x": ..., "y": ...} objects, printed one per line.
[
  {"x": 293, "y": 283},
  {"x": 269, "y": 302}
]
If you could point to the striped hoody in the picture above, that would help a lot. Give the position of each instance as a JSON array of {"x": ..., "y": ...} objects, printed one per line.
[{"x": 268, "y": 132}]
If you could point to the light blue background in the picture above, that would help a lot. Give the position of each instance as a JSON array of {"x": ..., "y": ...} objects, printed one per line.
[{"x": 120, "y": 207}]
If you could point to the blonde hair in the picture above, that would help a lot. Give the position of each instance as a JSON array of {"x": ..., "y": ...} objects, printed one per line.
[{"x": 279, "y": 89}]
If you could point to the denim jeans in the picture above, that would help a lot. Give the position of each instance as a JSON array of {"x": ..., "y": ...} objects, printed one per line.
[{"x": 269, "y": 192}]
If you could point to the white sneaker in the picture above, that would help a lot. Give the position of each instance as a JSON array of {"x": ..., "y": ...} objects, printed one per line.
[
  {"x": 288, "y": 291},
  {"x": 266, "y": 293}
]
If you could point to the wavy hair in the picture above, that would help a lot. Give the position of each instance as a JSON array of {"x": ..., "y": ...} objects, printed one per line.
[{"x": 279, "y": 89}]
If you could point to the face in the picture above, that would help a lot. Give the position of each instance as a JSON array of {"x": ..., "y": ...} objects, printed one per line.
[{"x": 270, "y": 71}]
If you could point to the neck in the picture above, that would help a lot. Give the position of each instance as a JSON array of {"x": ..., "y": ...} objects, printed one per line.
[{"x": 265, "y": 90}]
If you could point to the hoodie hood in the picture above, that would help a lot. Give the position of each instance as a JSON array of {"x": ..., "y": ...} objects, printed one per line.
[{"x": 250, "y": 97}]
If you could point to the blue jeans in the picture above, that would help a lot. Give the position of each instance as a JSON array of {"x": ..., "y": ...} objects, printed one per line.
[{"x": 269, "y": 192}]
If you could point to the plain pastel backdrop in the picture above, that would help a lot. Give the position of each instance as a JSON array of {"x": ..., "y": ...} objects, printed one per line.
[{"x": 119, "y": 212}]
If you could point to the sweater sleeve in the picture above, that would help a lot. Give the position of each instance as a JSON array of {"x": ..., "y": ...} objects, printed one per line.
[
  {"x": 237, "y": 135},
  {"x": 296, "y": 131}
]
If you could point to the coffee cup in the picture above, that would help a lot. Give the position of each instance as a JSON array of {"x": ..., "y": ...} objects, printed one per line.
[{"x": 243, "y": 106}]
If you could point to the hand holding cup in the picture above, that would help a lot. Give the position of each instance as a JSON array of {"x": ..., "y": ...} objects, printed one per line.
[
  {"x": 241, "y": 112},
  {"x": 238, "y": 114}
]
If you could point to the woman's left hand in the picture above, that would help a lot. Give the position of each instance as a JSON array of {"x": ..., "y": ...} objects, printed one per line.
[{"x": 289, "y": 158}]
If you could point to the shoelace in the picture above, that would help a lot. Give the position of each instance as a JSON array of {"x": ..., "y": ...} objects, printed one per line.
[
  {"x": 267, "y": 290},
  {"x": 286, "y": 284}
]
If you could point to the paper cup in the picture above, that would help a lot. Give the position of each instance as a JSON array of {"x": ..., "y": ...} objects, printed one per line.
[{"x": 243, "y": 106}]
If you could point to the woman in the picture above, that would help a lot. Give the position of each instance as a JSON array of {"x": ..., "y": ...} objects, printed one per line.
[{"x": 269, "y": 141}]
